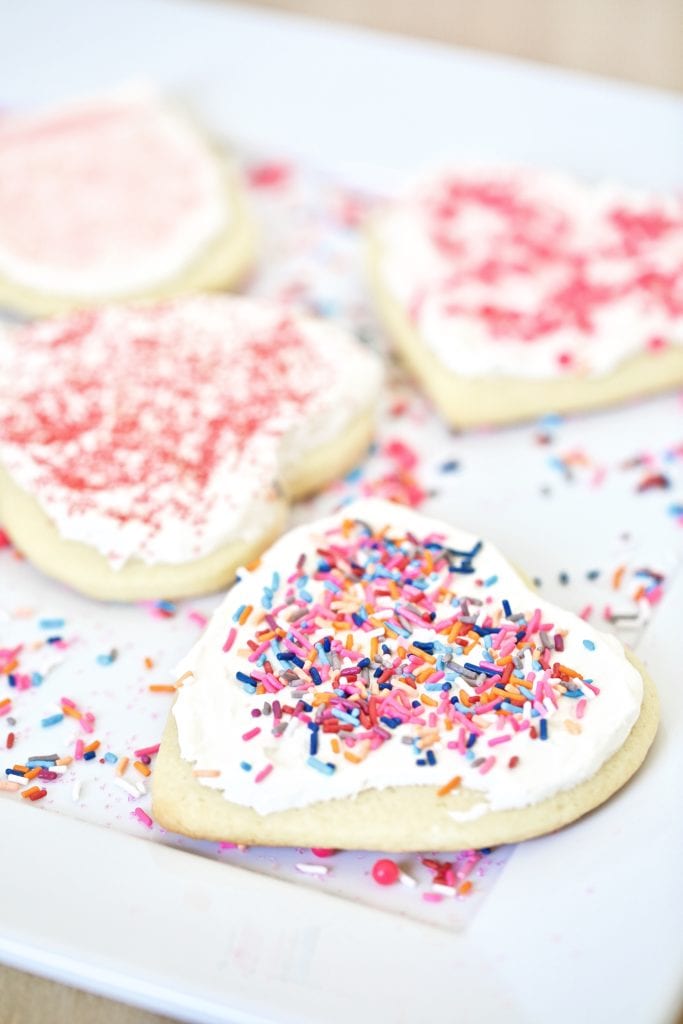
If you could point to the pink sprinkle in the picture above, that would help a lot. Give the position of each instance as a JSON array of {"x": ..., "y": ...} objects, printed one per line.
[
  {"x": 581, "y": 708},
  {"x": 66, "y": 703},
  {"x": 487, "y": 765},
  {"x": 432, "y": 897},
  {"x": 250, "y": 735},
  {"x": 87, "y": 722},
  {"x": 142, "y": 817},
  {"x": 198, "y": 618},
  {"x": 78, "y": 750},
  {"x": 499, "y": 739},
  {"x": 586, "y": 613},
  {"x": 147, "y": 750},
  {"x": 5, "y": 709},
  {"x": 231, "y": 639},
  {"x": 227, "y": 846},
  {"x": 264, "y": 773}
]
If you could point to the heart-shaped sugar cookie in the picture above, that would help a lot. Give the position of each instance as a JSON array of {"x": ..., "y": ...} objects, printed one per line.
[
  {"x": 147, "y": 451},
  {"x": 384, "y": 681}
]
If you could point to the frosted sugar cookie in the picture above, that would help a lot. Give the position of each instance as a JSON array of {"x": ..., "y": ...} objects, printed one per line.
[
  {"x": 385, "y": 681},
  {"x": 115, "y": 197},
  {"x": 147, "y": 451},
  {"x": 512, "y": 293}
]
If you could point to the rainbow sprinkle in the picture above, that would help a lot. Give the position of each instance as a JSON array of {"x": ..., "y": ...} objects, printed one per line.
[{"x": 379, "y": 636}]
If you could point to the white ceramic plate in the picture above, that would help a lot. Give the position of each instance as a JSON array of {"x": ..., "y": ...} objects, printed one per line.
[{"x": 584, "y": 923}]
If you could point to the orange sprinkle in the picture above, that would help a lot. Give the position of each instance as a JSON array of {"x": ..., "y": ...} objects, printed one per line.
[
  {"x": 32, "y": 774},
  {"x": 4, "y": 703},
  {"x": 142, "y": 768},
  {"x": 26, "y": 793},
  {"x": 72, "y": 712},
  {"x": 162, "y": 688},
  {"x": 253, "y": 565},
  {"x": 64, "y": 760},
  {"x": 573, "y": 727},
  {"x": 10, "y": 667},
  {"x": 20, "y": 768},
  {"x": 374, "y": 644},
  {"x": 352, "y": 757},
  {"x": 122, "y": 765},
  {"x": 91, "y": 747},
  {"x": 334, "y": 743},
  {"x": 428, "y": 700},
  {"x": 464, "y": 888},
  {"x": 149, "y": 663},
  {"x": 199, "y": 773},
  {"x": 349, "y": 642},
  {"x": 618, "y": 577},
  {"x": 449, "y": 786},
  {"x": 246, "y": 612},
  {"x": 422, "y": 655}
]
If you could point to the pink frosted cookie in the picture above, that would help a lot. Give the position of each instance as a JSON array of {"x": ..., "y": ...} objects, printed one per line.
[
  {"x": 510, "y": 293},
  {"x": 386, "y": 681},
  {"x": 149, "y": 451},
  {"x": 119, "y": 196}
]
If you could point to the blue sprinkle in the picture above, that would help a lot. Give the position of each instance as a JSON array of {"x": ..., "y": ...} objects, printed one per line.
[
  {"x": 315, "y": 675},
  {"x": 313, "y": 744},
  {"x": 431, "y": 757},
  {"x": 110, "y": 758},
  {"x": 490, "y": 581},
  {"x": 506, "y": 608},
  {"x": 90, "y": 755},
  {"x": 51, "y": 623},
  {"x": 421, "y": 762},
  {"x": 325, "y": 768},
  {"x": 237, "y": 614},
  {"x": 245, "y": 766},
  {"x": 106, "y": 659},
  {"x": 543, "y": 728},
  {"x": 54, "y": 639},
  {"x": 471, "y": 739},
  {"x": 39, "y": 762},
  {"x": 589, "y": 645},
  {"x": 243, "y": 678},
  {"x": 52, "y": 720},
  {"x": 451, "y": 466}
]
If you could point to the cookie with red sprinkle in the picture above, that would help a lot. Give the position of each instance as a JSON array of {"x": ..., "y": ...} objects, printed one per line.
[
  {"x": 148, "y": 451},
  {"x": 510, "y": 293},
  {"x": 116, "y": 197}
]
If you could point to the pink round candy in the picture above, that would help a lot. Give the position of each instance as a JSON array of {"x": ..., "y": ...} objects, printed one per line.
[
  {"x": 321, "y": 851},
  {"x": 385, "y": 871}
]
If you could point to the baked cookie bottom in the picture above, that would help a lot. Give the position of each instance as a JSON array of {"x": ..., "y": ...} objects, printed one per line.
[
  {"x": 222, "y": 266},
  {"x": 86, "y": 570},
  {"x": 467, "y": 402},
  {"x": 398, "y": 819}
]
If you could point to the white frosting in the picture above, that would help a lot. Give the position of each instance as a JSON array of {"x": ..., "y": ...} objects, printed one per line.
[
  {"x": 106, "y": 197},
  {"x": 213, "y": 711},
  {"x": 204, "y": 365},
  {"x": 445, "y": 269}
]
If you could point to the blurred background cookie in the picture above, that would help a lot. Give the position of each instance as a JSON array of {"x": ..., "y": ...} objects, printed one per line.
[{"x": 115, "y": 197}]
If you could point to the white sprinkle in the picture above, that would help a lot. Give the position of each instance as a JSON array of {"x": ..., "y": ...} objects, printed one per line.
[
  {"x": 312, "y": 869},
  {"x": 18, "y": 779},
  {"x": 407, "y": 880},
  {"x": 526, "y": 710},
  {"x": 128, "y": 787},
  {"x": 60, "y": 769},
  {"x": 446, "y": 890},
  {"x": 549, "y": 706},
  {"x": 76, "y": 791}
]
